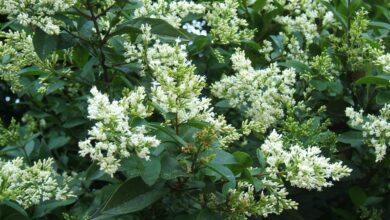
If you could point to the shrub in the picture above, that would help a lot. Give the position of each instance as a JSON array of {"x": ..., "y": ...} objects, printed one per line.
[{"x": 141, "y": 109}]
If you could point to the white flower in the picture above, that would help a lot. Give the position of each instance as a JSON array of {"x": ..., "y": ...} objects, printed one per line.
[
  {"x": 303, "y": 16},
  {"x": 384, "y": 61},
  {"x": 176, "y": 89},
  {"x": 144, "y": 153},
  {"x": 356, "y": 117},
  {"x": 112, "y": 135},
  {"x": 328, "y": 19},
  {"x": 38, "y": 12},
  {"x": 300, "y": 23},
  {"x": 196, "y": 27},
  {"x": 304, "y": 168},
  {"x": 19, "y": 50},
  {"x": 263, "y": 93},
  {"x": 32, "y": 185},
  {"x": 376, "y": 129},
  {"x": 266, "y": 49},
  {"x": 172, "y": 12},
  {"x": 226, "y": 26},
  {"x": 242, "y": 201},
  {"x": 325, "y": 67}
]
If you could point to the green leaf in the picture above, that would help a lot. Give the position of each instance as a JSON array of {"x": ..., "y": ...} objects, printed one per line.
[
  {"x": 47, "y": 207},
  {"x": 74, "y": 122},
  {"x": 126, "y": 28},
  {"x": 223, "y": 171},
  {"x": 379, "y": 24},
  {"x": 355, "y": 5},
  {"x": 86, "y": 31},
  {"x": 151, "y": 170},
  {"x": 252, "y": 44},
  {"x": 357, "y": 195},
  {"x": 199, "y": 44},
  {"x": 80, "y": 56},
  {"x": 198, "y": 124},
  {"x": 258, "y": 5},
  {"x": 3, "y": 26},
  {"x": 29, "y": 147},
  {"x": 170, "y": 168},
  {"x": 65, "y": 41},
  {"x": 128, "y": 68},
  {"x": 222, "y": 157},
  {"x": 335, "y": 87},
  {"x": 167, "y": 131},
  {"x": 159, "y": 27},
  {"x": 32, "y": 71},
  {"x": 376, "y": 80},
  {"x": 354, "y": 138},
  {"x": 247, "y": 176},
  {"x": 345, "y": 214},
  {"x": 57, "y": 142},
  {"x": 44, "y": 44},
  {"x": 185, "y": 217},
  {"x": 298, "y": 66},
  {"x": 207, "y": 214},
  {"x": 132, "y": 167},
  {"x": 227, "y": 186},
  {"x": 223, "y": 104},
  {"x": 87, "y": 72},
  {"x": 372, "y": 200},
  {"x": 55, "y": 86},
  {"x": 383, "y": 97},
  {"x": 340, "y": 17},
  {"x": 115, "y": 217},
  {"x": 243, "y": 158},
  {"x": 93, "y": 172},
  {"x": 320, "y": 85},
  {"x": 383, "y": 10},
  {"x": 258, "y": 184},
  {"x": 261, "y": 158},
  {"x": 278, "y": 40},
  {"x": 132, "y": 196},
  {"x": 13, "y": 206}
]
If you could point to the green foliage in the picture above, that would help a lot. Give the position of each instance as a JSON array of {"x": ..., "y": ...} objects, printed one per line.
[{"x": 183, "y": 117}]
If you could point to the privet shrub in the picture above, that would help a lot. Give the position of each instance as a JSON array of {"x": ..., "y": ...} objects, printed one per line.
[{"x": 235, "y": 109}]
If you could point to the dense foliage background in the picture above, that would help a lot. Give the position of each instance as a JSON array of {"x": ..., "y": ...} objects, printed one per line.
[{"x": 282, "y": 73}]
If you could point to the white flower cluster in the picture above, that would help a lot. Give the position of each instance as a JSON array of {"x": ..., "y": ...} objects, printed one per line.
[
  {"x": 272, "y": 200},
  {"x": 358, "y": 48},
  {"x": 196, "y": 27},
  {"x": 263, "y": 93},
  {"x": 376, "y": 129},
  {"x": 176, "y": 88},
  {"x": 303, "y": 168},
  {"x": 172, "y": 12},
  {"x": 384, "y": 61},
  {"x": 16, "y": 52},
  {"x": 291, "y": 49},
  {"x": 226, "y": 26},
  {"x": 302, "y": 16},
  {"x": 266, "y": 49},
  {"x": 225, "y": 132},
  {"x": 36, "y": 12},
  {"x": 32, "y": 185},
  {"x": 112, "y": 137},
  {"x": 324, "y": 66},
  {"x": 294, "y": 50}
]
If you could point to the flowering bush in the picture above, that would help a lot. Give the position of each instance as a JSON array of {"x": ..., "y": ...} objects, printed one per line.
[{"x": 179, "y": 109}]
